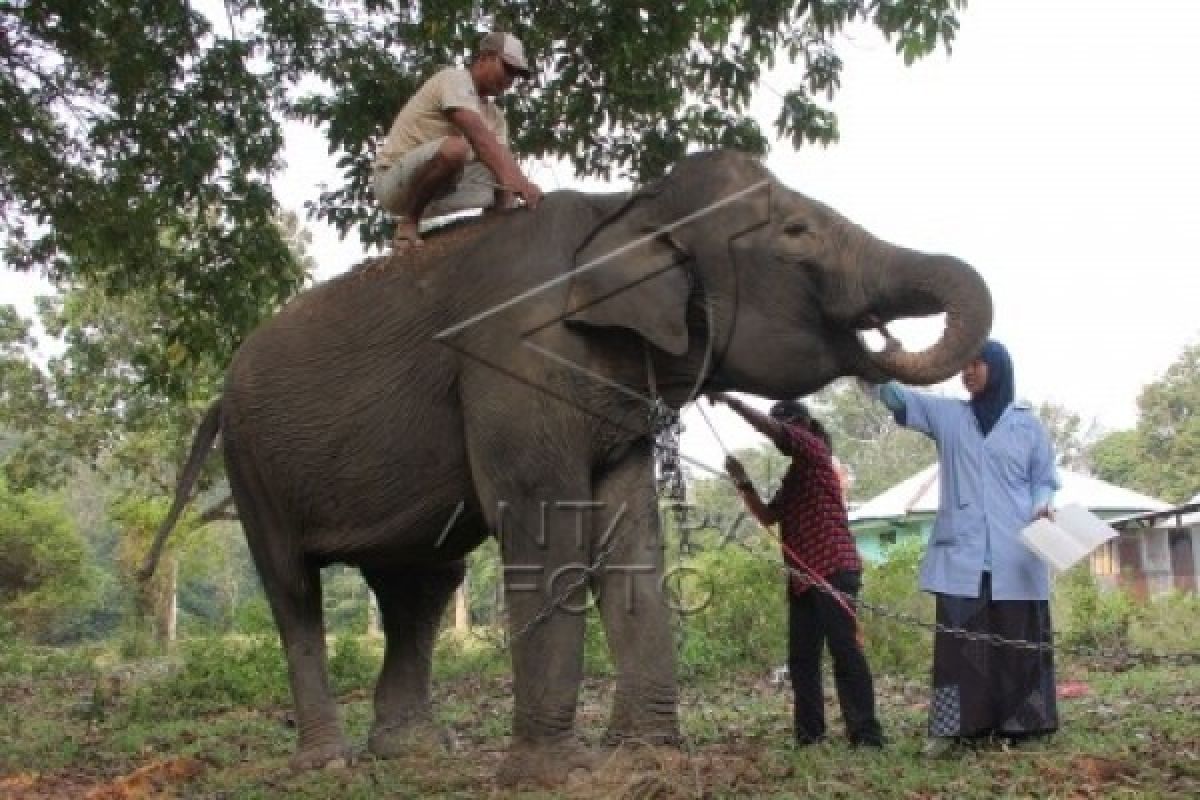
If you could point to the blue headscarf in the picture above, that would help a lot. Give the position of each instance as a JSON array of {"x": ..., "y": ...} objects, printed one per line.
[{"x": 996, "y": 396}]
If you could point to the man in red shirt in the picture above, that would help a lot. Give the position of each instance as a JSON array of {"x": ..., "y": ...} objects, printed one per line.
[{"x": 820, "y": 553}]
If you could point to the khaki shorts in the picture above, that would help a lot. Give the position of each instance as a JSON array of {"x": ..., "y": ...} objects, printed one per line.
[{"x": 475, "y": 187}]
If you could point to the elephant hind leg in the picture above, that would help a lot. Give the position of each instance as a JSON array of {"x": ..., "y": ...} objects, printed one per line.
[
  {"x": 412, "y": 602},
  {"x": 293, "y": 589}
]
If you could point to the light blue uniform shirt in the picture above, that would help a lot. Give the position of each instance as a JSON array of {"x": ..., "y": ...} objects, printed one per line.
[{"x": 990, "y": 488}]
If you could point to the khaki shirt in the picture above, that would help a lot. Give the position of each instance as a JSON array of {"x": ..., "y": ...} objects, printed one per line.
[{"x": 424, "y": 117}]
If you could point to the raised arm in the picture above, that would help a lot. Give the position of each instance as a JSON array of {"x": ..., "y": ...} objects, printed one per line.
[
  {"x": 763, "y": 423},
  {"x": 920, "y": 411}
]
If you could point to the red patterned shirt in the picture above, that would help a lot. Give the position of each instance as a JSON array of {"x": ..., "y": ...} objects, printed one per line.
[{"x": 811, "y": 511}]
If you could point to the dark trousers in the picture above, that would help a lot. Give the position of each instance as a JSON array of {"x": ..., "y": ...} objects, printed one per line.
[{"x": 814, "y": 618}]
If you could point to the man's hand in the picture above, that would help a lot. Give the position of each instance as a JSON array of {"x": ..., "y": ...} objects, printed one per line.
[
  {"x": 529, "y": 192},
  {"x": 737, "y": 472}
]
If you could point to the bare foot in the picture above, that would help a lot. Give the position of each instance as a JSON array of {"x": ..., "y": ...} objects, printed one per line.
[{"x": 406, "y": 236}]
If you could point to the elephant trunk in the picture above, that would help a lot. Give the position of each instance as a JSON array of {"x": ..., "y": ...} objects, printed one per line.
[{"x": 916, "y": 284}]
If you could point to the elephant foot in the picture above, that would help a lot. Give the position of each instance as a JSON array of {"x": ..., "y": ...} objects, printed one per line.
[
  {"x": 668, "y": 737},
  {"x": 409, "y": 739},
  {"x": 546, "y": 765},
  {"x": 334, "y": 755}
]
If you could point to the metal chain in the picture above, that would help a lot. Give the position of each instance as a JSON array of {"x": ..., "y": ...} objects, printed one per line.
[
  {"x": 555, "y": 602},
  {"x": 995, "y": 640},
  {"x": 666, "y": 425}
]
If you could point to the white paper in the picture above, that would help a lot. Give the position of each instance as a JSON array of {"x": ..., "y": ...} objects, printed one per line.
[{"x": 1074, "y": 533}]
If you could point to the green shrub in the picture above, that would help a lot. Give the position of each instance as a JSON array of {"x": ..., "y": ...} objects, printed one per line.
[
  {"x": 1085, "y": 615},
  {"x": 22, "y": 661},
  {"x": 597, "y": 660},
  {"x": 736, "y": 616},
  {"x": 1167, "y": 623},
  {"x": 355, "y": 663},
  {"x": 253, "y": 617},
  {"x": 218, "y": 674},
  {"x": 45, "y": 570},
  {"x": 896, "y": 647},
  {"x": 135, "y": 639},
  {"x": 482, "y": 654}
]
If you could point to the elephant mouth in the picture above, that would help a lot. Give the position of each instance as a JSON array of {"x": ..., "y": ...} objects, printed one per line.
[
  {"x": 869, "y": 347},
  {"x": 946, "y": 287}
]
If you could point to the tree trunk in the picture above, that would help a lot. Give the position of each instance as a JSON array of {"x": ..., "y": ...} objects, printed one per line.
[
  {"x": 163, "y": 608},
  {"x": 374, "y": 625},
  {"x": 462, "y": 608}
]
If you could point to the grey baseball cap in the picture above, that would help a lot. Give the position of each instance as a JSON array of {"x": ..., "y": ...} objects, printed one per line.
[{"x": 509, "y": 48}]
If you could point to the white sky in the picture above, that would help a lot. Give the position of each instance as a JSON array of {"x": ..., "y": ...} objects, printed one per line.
[{"x": 1056, "y": 150}]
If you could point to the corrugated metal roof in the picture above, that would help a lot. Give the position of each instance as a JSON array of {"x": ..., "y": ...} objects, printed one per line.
[{"x": 919, "y": 495}]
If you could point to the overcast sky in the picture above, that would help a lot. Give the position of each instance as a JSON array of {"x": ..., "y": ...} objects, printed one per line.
[{"x": 1055, "y": 150}]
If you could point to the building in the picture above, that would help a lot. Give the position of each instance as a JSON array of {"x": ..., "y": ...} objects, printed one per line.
[
  {"x": 906, "y": 511},
  {"x": 1157, "y": 551}
]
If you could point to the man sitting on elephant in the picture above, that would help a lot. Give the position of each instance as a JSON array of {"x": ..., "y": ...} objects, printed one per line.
[{"x": 447, "y": 149}]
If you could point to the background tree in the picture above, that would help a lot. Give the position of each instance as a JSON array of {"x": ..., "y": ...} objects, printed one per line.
[
  {"x": 1117, "y": 458},
  {"x": 133, "y": 127},
  {"x": 1071, "y": 440},
  {"x": 1161, "y": 456},
  {"x": 121, "y": 397},
  {"x": 126, "y": 387}
]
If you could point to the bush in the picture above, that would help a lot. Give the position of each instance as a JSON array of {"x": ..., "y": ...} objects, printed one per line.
[
  {"x": 218, "y": 674},
  {"x": 45, "y": 575},
  {"x": 355, "y": 664},
  {"x": 1167, "y": 624},
  {"x": 456, "y": 656},
  {"x": 739, "y": 621},
  {"x": 1087, "y": 616},
  {"x": 896, "y": 647},
  {"x": 20, "y": 661},
  {"x": 253, "y": 617}
]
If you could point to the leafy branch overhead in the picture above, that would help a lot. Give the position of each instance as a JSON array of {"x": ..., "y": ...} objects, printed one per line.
[{"x": 141, "y": 136}]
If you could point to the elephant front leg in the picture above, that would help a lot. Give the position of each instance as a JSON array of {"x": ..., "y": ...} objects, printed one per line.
[
  {"x": 633, "y": 606},
  {"x": 545, "y": 591}
]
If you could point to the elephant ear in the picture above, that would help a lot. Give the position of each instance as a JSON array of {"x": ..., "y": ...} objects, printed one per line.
[{"x": 628, "y": 274}]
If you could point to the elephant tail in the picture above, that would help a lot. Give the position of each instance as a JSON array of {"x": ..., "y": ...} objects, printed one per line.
[{"x": 202, "y": 444}]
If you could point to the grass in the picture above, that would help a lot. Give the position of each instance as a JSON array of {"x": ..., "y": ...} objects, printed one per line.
[{"x": 1135, "y": 734}]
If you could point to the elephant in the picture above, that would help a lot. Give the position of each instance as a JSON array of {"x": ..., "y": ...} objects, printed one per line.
[{"x": 498, "y": 382}]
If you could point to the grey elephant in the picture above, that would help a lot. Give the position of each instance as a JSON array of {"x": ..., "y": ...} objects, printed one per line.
[{"x": 498, "y": 383}]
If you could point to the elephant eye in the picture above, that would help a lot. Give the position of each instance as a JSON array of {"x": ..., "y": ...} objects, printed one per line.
[{"x": 796, "y": 228}]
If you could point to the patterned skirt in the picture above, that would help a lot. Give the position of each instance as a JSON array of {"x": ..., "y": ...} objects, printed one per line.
[{"x": 982, "y": 689}]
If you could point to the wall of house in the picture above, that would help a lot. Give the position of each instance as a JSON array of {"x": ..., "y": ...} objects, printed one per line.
[
  {"x": 1140, "y": 561},
  {"x": 876, "y": 537}
]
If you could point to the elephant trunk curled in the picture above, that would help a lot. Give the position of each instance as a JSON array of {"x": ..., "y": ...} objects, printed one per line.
[{"x": 915, "y": 284}]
